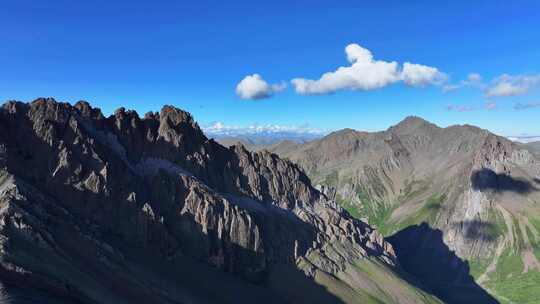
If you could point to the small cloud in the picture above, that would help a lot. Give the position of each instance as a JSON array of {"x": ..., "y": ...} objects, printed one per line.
[
  {"x": 526, "y": 106},
  {"x": 366, "y": 73},
  {"x": 255, "y": 87},
  {"x": 460, "y": 108},
  {"x": 464, "y": 108},
  {"x": 450, "y": 87},
  {"x": 505, "y": 89},
  {"x": 473, "y": 80},
  {"x": 491, "y": 105},
  {"x": 508, "y": 85}
]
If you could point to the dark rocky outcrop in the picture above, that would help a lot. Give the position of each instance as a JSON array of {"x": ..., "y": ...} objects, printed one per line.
[{"x": 124, "y": 209}]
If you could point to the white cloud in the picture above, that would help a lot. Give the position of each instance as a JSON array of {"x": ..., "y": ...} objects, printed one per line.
[
  {"x": 366, "y": 73},
  {"x": 491, "y": 105},
  {"x": 473, "y": 80},
  {"x": 509, "y": 85},
  {"x": 526, "y": 106},
  {"x": 221, "y": 129},
  {"x": 255, "y": 87},
  {"x": 418, "y": 75},
  {"x": 466, "y": 108},
  {"x": 504, "y": 85},
  {"x": 505, "y": 89},
  {"x": 450, "y": 87},
  {"x": 460, "y": 108}
]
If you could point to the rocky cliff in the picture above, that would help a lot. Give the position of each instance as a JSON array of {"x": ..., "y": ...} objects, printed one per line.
[{"x": 124, "y": 209}]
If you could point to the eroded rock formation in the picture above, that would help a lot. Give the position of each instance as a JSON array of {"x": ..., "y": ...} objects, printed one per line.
[{"x": 99, "y": 209}]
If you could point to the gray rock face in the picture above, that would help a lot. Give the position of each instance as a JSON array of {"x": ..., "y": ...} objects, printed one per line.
[{"x": 117, "y": 205}]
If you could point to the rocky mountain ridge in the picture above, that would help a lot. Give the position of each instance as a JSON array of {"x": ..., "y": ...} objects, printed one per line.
[{"x": 129, "y": 209}]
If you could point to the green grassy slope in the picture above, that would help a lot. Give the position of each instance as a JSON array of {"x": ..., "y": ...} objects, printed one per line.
[{"x": 507, "y": 280}]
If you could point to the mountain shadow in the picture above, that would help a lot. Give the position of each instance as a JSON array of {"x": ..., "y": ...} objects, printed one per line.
[
  {"x": 487, "y": 179},
  {"x": 423, "y": 254}
]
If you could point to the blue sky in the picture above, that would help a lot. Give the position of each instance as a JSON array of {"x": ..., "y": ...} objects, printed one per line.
[{"x": 193, "y": 55}]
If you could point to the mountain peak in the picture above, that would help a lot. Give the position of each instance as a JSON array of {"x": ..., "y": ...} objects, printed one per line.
[
  {"x": 346, "y": 132},
  {"x": 412, "y": 120},
  {"x": 412, "y": 124}
]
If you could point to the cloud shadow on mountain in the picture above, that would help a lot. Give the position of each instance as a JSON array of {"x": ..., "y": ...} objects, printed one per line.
[
  {"x": 423, "y": 254},
  {"x": 478, "y": 230},
  {"x": 487, "y": 179}
]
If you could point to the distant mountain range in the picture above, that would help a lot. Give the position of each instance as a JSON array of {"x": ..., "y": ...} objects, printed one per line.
[
  {"x": 256, "y": 136},
  {"x": 525, "y": 138},
  {"x": 129, "y": 209},
  {"x": 459, "y": 189},
  {"x": 261, "y": 142}
]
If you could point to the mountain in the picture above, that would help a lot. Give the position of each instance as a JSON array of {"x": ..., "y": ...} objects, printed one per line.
[
  {"x": 525, "y": 139},
  {"x": 535, "y": 146},
  {"x": 124, "y": 209},
  {"x": 460, "y": 200},
  {"x": 250, "y": 143},
  {"x": 260, "y": 142}
]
